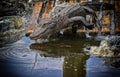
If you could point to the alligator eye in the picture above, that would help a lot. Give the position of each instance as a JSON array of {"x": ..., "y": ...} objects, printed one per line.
[{"x": 44, "y": 25}]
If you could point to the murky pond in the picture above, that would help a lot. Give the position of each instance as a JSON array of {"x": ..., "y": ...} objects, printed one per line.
[{"x": 60, "y": 58}]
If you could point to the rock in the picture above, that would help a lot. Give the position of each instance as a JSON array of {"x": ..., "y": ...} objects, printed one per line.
[
  {"x": 4, "y": 25},
  {"x": 115, "y": 62},
  {"x": 11, "y": 29},
  {"x": 12, "y": 24},
  {"x": 110, "y": 47},
  {"x": 99, "y": 37}
]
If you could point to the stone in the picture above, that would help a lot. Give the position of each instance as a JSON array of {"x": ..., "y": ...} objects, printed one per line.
[
  {"x": 13, "y": 17},
  {"x": 11, "y": 29},
  {"x": 110, "y": 47}
]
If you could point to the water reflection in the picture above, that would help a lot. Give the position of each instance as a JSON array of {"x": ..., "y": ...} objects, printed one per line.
[
  {"x": 74, "y": 59},
  {"x": 74, "y": 66},
  {"x": 115, "y": 62},
  {"x": 67, "y": 45},
  {"x": 96, "y": 67},
  {"x": 61, "y": 58}
]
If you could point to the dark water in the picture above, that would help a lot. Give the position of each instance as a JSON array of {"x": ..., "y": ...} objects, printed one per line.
[{"x": 61, "y": 58}]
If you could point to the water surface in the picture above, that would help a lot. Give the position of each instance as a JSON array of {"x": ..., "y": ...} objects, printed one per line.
[{"x": 60, "y": 58}]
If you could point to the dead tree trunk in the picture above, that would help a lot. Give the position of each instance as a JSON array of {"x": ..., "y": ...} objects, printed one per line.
[
  {"x": 55, "y": 3},
  {"x": 112, "y": 24},
  {"x": 86, "y": 29},
  {"x": 77, "y": 0},
  {"x": 67, "y": 0},
  {"x": 89, "y": 0},
  {"x": 88, "y": 20},
  {"x": 101, "y": 1},
  {"x": 42, "y": 10},
  {"x": 99, "y": 22},
  {"x": 33, "y": 19}
]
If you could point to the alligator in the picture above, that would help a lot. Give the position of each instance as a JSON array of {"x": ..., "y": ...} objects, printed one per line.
[
  {"x": 73, "y": 14},
  {"x": 73, "y": 28}
]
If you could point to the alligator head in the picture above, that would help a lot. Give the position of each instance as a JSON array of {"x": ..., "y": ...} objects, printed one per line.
[{"x": 45, "y": 30}]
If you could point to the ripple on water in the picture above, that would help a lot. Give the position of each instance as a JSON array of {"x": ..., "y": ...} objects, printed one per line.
[{"x": 17, "y": 52}]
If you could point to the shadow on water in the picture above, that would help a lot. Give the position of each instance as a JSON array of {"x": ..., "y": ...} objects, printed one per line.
[
  {"x": 71, "y": 50},
  {"x": 62, "y": 47},
  {"x": 61, "y": 58}
]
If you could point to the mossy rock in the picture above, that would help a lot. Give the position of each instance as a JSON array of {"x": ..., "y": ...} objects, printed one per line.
[
  {"x": 17, "y": 21},
  {"x": 11, "y": 29},
  {"x": 11, "y": 36},
  {"x": 110, "y": 47}
]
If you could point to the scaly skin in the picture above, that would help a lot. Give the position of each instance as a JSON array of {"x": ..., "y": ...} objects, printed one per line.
[{"x": 73, "y": 14}]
